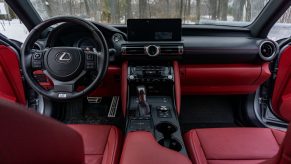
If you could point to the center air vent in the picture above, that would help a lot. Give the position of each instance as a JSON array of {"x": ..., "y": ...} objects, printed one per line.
[
  {"x": 268, "y": 50},
  {"x": 153, "y": 50}
]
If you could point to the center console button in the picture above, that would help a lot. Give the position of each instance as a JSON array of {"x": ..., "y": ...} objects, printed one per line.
[
  {"x": 163, "y": 111},
  {"x": 164, "y": 108}
]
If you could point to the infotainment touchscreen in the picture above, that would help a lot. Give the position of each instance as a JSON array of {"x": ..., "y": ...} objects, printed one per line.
[{"x": 154, "y": 29}]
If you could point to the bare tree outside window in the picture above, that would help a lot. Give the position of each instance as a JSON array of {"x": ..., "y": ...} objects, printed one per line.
[
  {"x": 217, "y": 12},
  {"x": 221, "y": 12},
  {"x": 282, "y": 29}
]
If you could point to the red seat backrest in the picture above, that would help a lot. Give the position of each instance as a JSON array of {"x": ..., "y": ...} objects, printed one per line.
[
  {"x": 11, "y": 86},
  {"x": 281, "y": 99},
  {"x": 27, "y": 137}
]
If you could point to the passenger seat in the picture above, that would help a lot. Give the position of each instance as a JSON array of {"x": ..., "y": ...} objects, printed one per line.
[{"x": 239, "y": 146}]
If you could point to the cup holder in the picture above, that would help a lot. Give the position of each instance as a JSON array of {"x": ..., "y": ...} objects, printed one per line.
[
  {"x": 171, "y": 144},
  {"x": 167, "y": 129}
]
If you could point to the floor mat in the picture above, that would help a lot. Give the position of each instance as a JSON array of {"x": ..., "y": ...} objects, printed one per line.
[
  {"x": 208, "y": 112},
  {"x": 93, "y": 113}
]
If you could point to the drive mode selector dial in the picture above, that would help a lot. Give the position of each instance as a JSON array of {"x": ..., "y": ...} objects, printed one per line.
[{"x": 152, "y": 50}]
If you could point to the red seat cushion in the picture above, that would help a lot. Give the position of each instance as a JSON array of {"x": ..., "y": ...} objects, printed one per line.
[
  {"x": 233, "y": 145},
  {"x": 102, "y": 143}
]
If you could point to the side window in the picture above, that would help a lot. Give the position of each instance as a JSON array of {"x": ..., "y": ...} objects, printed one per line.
[
  {"x": 10, "y": 25},
  {"x": 282, "y": 29}
]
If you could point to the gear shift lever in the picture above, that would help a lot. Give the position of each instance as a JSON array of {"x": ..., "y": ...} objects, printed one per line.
[
  {"x": 141, "y": 94},
  {"x": 143, "y": 106}
]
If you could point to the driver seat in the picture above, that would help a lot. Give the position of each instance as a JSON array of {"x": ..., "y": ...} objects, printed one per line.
[
  {"x": 27, "y": 137},
  {"x": 102, "y": 143}
]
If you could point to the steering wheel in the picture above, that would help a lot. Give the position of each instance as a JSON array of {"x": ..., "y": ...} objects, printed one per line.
[{"x": 64, "y": 65}]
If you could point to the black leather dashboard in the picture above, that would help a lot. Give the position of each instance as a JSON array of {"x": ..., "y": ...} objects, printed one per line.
[
  {"x": 218, "y": 49},
  {"x": 209, "y": 46}
]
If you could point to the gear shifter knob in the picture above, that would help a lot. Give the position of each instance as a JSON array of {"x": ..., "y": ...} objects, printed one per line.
[{"x": 141, "y": 93}]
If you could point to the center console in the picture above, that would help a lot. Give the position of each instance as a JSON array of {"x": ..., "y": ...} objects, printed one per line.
[
  {"x": 151, "y": 83},
  {"x": 151, "y": 104}
]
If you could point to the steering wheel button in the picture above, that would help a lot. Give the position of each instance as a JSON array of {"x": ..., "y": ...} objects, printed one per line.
[
  {"x": 36, "y": 64},
  {"x": 37, "y": 56},
  {"x": 90, "y": 65},
  {"x": 90, "y": 56}
]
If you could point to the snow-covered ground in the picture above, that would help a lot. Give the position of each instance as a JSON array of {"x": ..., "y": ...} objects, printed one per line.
[
  {"x": 279, "y": 31},
  {"x": 13, "y": 29}
]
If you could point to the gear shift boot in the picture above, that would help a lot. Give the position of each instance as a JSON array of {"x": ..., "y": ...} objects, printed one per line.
[{"x": 144, "y": 109}]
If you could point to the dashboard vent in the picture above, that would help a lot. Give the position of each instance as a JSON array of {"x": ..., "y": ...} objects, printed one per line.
[
  {"x": 171, "y": 50},
  {"x": 268, "y": 50},
  {"x": 153, "y": 50},
  {"x": 132, "y": 50}
]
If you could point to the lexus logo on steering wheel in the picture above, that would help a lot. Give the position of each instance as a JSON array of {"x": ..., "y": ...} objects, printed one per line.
[{"x": 63, "y": 57}]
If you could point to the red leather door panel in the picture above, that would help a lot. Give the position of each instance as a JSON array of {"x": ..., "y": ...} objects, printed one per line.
[
  {"x": 177, "y": 86},
  {"x": 124, "y": 86},
  {"x": 223, "y": 78},
  {"x": 281, "y": 99},
  {"x": 11, "y": 86}
]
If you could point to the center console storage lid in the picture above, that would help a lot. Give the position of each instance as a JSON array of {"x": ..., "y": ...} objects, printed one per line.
[{"x": 142, "y": 148}]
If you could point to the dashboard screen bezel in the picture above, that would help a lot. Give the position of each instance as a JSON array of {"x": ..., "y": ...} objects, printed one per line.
[{"x": 154, "y": 29}]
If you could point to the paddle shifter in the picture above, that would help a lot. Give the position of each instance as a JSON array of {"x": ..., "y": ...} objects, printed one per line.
[{"x": 143, "y": 106}]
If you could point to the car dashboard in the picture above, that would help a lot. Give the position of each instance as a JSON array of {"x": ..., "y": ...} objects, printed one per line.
[{"x": 210, "y": 61}]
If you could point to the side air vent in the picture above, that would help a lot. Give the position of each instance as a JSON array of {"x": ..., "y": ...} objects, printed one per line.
[{"x": 268, "y": 50}]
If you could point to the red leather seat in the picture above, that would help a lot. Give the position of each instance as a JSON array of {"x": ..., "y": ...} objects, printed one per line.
[
  {"x": 27, "y": 137},
  {"x": 238, "y": 146},
  {"x": 11, "y": 87},
  {"x": 281, "y": 99},
  {"x": 102, "y": 143}
]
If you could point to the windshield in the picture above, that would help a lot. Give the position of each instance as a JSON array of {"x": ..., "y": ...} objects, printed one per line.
[{"x": 217, "y": 12}]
